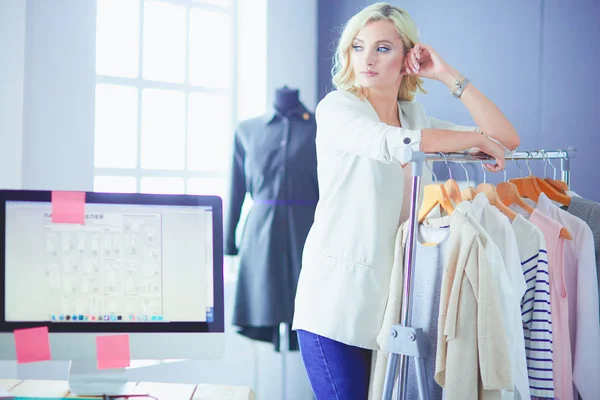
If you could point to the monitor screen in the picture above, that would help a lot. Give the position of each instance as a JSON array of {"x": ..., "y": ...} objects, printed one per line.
[{"x": 140, "y": 263}]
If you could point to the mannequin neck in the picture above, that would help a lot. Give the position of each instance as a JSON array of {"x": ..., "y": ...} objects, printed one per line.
[{"x": 286, "y": 99}]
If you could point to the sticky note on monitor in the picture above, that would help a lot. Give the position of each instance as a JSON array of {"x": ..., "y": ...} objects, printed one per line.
[
  {"x": 32, "y": 344},
  {"x": 68, "y": 207},
  {"x": 113, "y": 351}
]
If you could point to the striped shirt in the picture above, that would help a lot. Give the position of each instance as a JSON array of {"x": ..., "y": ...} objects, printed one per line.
[{"x": 535, "y": 307}]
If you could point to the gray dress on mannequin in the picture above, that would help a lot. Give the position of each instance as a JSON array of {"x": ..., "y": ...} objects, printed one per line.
[{"x": 275, "y": 161}]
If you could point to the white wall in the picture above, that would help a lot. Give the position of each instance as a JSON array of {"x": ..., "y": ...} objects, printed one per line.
[
  {"x": 60, "y": 68},
  {"x": 12, "y": 70},
  {"x": 292, "y": 48}
]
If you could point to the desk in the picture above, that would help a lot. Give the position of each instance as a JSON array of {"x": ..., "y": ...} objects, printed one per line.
[{"x": 162, "y": 391}]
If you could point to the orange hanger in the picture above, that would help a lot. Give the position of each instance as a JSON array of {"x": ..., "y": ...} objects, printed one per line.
[
  {"x": 527, "y": 187},
  {"x": 434, "y": 195},
  {"x": 451, "y": 186},
  {"x": 509, "y": 194},
  {"x": 553, "y": 194},
  {"x": 453, "y": 191},
  {"x": 560, "y": 186},
  {"x": 532, "y": 186},
  {"x": 490, "y": 192},
  {"x": 532, "y": 189},
  {"x": 467, "y": 193}
]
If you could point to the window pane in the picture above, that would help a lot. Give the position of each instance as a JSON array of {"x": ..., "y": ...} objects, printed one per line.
[
  {"x": 164, "y": 42},
  {"x": 117, "y": 37},
  {"x": 162, "y": 185},
  {"x": 206, "y": 186},
  {"x": 211, "y": 48},
  {"x": 209, "y": 131},
  {"x": 115, "y": 184},
  {"x": 163, "y": 127},
  {"x": 116, "y": 126}
]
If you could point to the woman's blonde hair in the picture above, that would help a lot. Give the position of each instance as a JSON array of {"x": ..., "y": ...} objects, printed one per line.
[{"x": 344, "y": 77}]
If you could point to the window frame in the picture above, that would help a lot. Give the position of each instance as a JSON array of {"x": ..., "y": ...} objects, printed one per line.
[{"x": 139, "y": 83}]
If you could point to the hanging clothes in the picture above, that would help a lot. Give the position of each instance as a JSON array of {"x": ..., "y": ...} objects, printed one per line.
[
  {"x": 582, "y": 287},
  {"x": 472, "y": 345},
  {"x": 589, "y": 212},
  {"x": 536, "y": 302},
  {"x": 509, "y": 299},
  {"x": 275, "y": 161},
  {"x": 497, "y": 226},
  {"x": 430, "y": 255},
  {"x": 562, "y": 361}
]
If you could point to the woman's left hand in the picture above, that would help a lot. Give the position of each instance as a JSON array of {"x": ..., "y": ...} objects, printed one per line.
[{"x": 423, "y": 61}]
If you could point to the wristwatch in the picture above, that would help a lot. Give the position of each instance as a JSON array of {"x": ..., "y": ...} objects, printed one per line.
[{"x": 459, "y": 86}]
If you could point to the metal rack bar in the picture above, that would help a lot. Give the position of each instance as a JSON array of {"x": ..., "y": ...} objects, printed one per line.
[
  {"x": 405, "y": 340},
  {"x": 515, "y": 155}
]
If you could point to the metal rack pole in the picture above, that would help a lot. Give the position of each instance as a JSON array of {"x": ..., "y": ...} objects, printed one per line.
[{"x": 405, "y": 340}]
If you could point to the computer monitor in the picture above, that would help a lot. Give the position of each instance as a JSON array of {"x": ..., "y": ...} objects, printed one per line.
[{"x": 147, "y": 265}]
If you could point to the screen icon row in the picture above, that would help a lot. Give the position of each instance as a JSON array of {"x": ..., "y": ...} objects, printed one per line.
[{"x": 105, "y": 318}]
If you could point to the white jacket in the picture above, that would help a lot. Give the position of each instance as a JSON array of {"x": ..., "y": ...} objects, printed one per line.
[{"x": 349, "y": 252}]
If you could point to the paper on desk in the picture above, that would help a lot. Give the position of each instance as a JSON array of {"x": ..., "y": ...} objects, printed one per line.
[
  {"x": 211, "y": 392},
  {"x": 68, "y": 207},
  {"x": 32, "y": 344},
  {"x": 5, "y": 395},
  {"x": 47, "y": 389},
  {"x": 112, "y": 351}
]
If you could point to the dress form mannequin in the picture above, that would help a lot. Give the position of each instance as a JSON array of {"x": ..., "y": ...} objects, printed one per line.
[
  {"x": 286, "y": 99},
  {"x": 284, "y": 189}
]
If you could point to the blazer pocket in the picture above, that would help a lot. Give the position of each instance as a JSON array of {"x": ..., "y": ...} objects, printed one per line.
[{"x": 349, "y": 263}]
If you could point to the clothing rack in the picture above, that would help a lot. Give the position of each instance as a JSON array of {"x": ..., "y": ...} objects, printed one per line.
[{"x": 407, "y": 341}]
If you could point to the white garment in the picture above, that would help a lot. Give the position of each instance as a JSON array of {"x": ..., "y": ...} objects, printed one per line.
[
  {"x": 349, "y": 252},
  {"x": 498, "y": 226},
  {"x": 502, "y": 253},
  {"x": 472, "y": 349},
  {"x": 536, "y": 302},
  {"x": 582, "y": 290}
]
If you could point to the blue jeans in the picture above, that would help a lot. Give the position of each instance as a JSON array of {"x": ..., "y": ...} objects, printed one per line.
[{"x": 336, "y": 371}]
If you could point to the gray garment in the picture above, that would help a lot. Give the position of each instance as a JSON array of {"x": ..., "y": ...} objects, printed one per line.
[
  {"x": 275, "y": 161},
  {"x": 428, "y": 272},
  {"x": 589, "y": 211}
]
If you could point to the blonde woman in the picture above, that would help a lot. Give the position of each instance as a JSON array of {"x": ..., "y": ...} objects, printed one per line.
[{"x": 363, "y": 130}]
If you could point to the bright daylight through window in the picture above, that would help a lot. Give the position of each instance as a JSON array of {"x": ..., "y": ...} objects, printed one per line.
[{"x": 165, "y": 95}]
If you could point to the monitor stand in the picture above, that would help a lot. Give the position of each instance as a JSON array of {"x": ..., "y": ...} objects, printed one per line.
[{"x": 85, "y": 379}]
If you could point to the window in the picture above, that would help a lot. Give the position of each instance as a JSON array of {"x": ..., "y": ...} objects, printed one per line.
[{"x": 165, "y": 95}]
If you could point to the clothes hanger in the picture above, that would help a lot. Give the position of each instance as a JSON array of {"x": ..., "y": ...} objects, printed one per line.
[
  {"x": 434, "y": 187},
  {"x": 564, "y": 232},
  {"x": 451, "y": 186},
  {"x": 490, "y": 192},
  {"x": 434, "y": 195},
  {"x": 532, "y": 186},
  {"x": 469, "y": 192},
  {"x": 557, "y": 184},
  {"x": 509, "y": 194}
]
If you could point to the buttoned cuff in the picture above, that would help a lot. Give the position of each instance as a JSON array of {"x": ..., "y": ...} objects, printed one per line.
[{"x": 401, "y": 142}]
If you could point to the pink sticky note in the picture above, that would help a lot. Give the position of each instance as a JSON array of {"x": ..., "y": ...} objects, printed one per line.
[
  {"x": 112, "y": 351},
  {"x": 33, "y": 344},
  {"x": 68, "y": 207}
]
